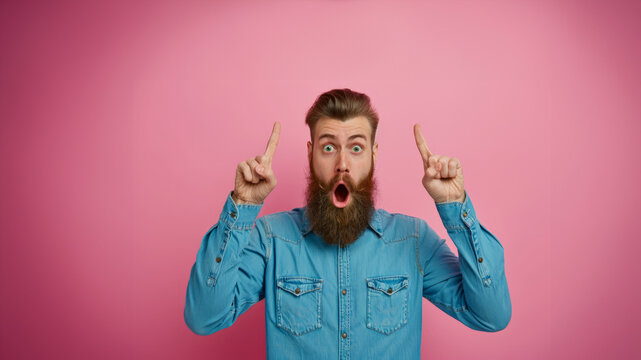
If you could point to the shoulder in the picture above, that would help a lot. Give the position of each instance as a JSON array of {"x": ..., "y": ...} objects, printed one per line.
[
  {"x": 399, "y": 227},
  {"x": 394, "y": 227},
  {"x": 284, "y": 225}
]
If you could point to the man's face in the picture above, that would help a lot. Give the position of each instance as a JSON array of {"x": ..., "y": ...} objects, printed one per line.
[
  {"x": 340, "y": 192},
  {"x": 342, "y": 148}
]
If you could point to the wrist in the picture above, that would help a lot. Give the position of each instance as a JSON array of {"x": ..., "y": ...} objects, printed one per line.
[
  {"x": 459, "y": 199},
  {"x": 240, "y": 201}
]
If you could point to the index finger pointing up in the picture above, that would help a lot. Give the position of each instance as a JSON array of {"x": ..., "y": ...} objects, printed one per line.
[
  {"x": 420, "y": 143},
  {"x": 273, "y": 141}
]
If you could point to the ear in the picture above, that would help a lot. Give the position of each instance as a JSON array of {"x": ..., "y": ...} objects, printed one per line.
[
  {"x": 309, "y": 151},
  {"x": 374, "y": 153}
]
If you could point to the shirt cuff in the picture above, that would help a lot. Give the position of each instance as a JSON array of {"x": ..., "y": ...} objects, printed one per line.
[
  {"x": 457, "y": 215},
  {"x": 239, "y": 216}
]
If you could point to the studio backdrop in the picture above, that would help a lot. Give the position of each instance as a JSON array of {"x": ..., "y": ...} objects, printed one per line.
[{"x": 122, "y": 123}]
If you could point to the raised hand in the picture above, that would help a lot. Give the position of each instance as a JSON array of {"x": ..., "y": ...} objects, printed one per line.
[
  {"x": 443, "y": 177},
  {"x": 254, "y": 177}
]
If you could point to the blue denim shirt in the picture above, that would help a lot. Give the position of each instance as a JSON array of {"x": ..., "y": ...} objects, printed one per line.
[{"x": 362, "y": 301}]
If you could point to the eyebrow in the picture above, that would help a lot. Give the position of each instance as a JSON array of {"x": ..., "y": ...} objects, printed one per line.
[{"x": 330, "y": 136}]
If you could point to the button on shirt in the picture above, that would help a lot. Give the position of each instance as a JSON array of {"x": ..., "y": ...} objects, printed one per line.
[{"x": 362, "y": 301}]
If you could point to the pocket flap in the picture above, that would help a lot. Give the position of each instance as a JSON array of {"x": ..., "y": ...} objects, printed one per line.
[
  {"x": 388, "y": 284},
  {"x": 299, "y": 285}
]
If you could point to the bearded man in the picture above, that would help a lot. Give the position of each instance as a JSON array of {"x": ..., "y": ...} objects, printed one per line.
[{"x": 340, "y": 278}]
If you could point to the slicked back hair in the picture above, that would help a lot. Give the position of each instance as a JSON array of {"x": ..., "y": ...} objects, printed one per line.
[{"x": 343, "y": 105}]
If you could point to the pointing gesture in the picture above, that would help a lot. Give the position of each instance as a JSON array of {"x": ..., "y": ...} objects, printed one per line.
[
  {"x": 443, "y": 178},
  {"x": 254, "y": 177}
]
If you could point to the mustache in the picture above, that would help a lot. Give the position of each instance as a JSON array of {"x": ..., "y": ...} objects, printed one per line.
[{"x": 346, "y": 178}]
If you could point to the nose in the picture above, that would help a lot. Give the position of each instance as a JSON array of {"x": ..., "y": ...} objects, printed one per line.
[{"x": 342, "y": 165}]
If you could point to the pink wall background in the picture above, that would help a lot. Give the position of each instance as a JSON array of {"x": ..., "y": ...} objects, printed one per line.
[{"x": 122, "y": 123}]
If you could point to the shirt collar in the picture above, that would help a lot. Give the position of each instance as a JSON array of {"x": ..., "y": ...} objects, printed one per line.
[{"x": 374, "y": 223}]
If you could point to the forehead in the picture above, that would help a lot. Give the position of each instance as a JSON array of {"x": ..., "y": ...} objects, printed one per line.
[{"x": 343, "y": 129}]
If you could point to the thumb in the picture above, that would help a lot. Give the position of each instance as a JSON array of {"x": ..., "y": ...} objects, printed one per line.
[
  {"x": 268, "y": 174},
  {"x": 263, "y": 172},
  {"x": 431, "y": 173}
]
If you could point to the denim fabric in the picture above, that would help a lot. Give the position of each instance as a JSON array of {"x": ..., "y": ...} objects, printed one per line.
[{"x": 362, "y": 301}]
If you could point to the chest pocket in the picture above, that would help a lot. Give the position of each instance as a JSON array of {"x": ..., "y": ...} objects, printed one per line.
[
  {"x": 298, "y": 304},
  {"x": 387, "y": 303}
]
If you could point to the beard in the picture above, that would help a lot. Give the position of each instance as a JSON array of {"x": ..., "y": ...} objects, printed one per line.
[{"x": 336, "y": 225}]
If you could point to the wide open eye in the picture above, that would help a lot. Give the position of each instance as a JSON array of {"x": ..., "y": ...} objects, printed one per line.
[
  {"x": 357, "y": 148},
  {"x": 328, "y": 148}
]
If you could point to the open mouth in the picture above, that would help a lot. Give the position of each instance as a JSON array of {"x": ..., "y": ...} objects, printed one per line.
[{"x": 340, "y": 195}]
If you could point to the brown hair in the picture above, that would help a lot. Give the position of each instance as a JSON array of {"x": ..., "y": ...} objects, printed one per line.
[{"x": 341, "y": 104}]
